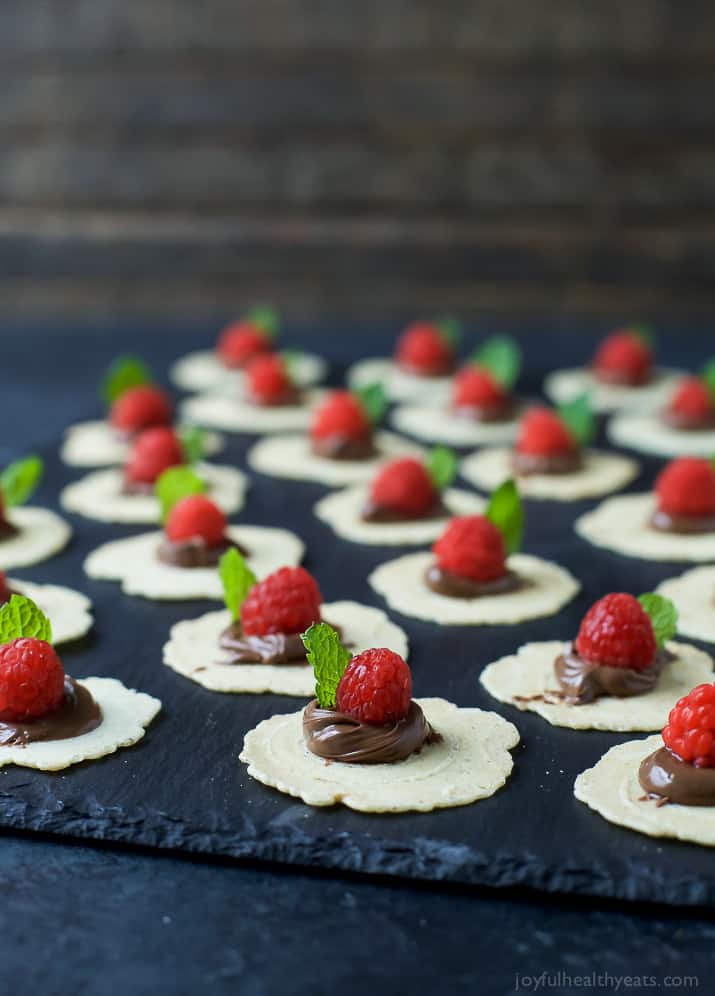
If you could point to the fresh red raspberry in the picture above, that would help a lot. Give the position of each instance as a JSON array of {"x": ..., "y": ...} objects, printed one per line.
[
  {"x": 617, "y": 632},
  {"x": 376, "y": 687},
  {"x": 423, "y": 349},
  {"x": 471, "y": 547},
  {"x": 692, "y": 399},
  {"x": 5, "y": 593},
  {"x": 267, "y": 380},
  {"x": 341, "y": 415},
  {"x": 140, "y": 407},
  {"x": 475, "y": 387},
  {"x": 287, "y": 601},
  {"x": 624, "y": 357},
  {"x": 154, "y": 451},
  {"x": 404, "y": 486},
  {"x": 241, "y": 342},
  {"x": 543, "y": 433},
  {"x": 686, "y": 487},
  {"x": 196, "y": 517},
  {"x": 690, "y": 733},
  {"x": 32, "y": 679}
]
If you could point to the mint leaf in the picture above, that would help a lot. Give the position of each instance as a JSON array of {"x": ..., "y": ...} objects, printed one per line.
[
  {"x": 237, "y": 579},
  {"x": 192, "y": 443},
  {"x": 506, "y": 512},
  {"x": 372, "y": 397},
  {"x": 578, "y": 416},
  {"x": 265, "y": 319},
  {"x": 502, "y": 358},
  {"x": 19, "y": 480},
  {"x": 708, "y": 375},
  {"x": 125, "y": 372},
  {"x": 663, "y": 615},
  {"x": 174, "y": 484},
  {"x": 451, "y": 331},
  {"x": 442, "y": 467},
  {"x": 328, "y": 658},
  {"x": 644, "y": 333},
  {"x": 21, "y": 617},
  {"x": 291, "y": 359}
]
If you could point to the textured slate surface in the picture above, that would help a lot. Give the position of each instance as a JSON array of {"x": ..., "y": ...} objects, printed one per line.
[{"x": 183, "y": 787}]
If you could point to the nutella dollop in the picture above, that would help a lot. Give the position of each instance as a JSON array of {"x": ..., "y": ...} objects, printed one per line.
[
  {"x": 272, "y": 648},
  {"x": 582, "y": 682},
  {"x": 287, "y": 398},
  {"x": 137, "y": 487},
  {"x": 666, "y": 777},
  {"x": 340, "y": 448},
  {"x": 373, "y": 512},
  {"x": 622, "y": 378},
  {"x": 537, "y": 463},
  {"x": 684, "y": 422},
  {"x": 78, "y": 713},
  {"x": 194, "y": 552},
  {"x": 454, "y": 586},
  {"x": 444, "y": 370},
  {"x": 7, "y": 530},
  {"x": 683, "y": 524},
  {"x": 502, "y": 411},
  {"x": 336, "y": 737}
]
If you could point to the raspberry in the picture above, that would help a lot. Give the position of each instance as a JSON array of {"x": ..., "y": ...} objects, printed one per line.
[
  {"x": 196, "y": 517},
  {"x": 692, "y": 399},
  {"x": 287, "y": 601},
  {"x": 686, "y": 487},
  {"x": 154, "y": 451},
  {"x": 475, "y": 387},
  {"x": 140, "y": 407},
  {"x": 267, "y": 380},
  {"x": 543, "y": 433},
  {"x": 617, "y": 632},
  {"x": 624, "y": 357},
  {"x": 471, "y": 547},
  {"x": 341, "y": 415},
  {"x": 375, "y": 688},
  {"x": 32, "y": 679},
  {"x": 241, "y": 342},
  {"x": 404, "y": 486},
  {"x": 690, "y": 732},
  {"x": 5, "y": 593},
  {"x": 423, "y": 349}
]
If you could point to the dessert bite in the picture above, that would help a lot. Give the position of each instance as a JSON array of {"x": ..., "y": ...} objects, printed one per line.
[
  {"x": 69, "y": 611},
  {"x": 474, "y": 575},
  {"x": 255, "y": 645},
  {"x": 552, "y": 458},
  {"x": 365, "y": 742},
  {"x": 242, "y": 341},
  {"x": 625, "y": 357},
  {"x": 47, "y": 719},
  {"x": 685, "y": 497},
  {"x": 28, "y": 535},
  {"x": 693, "y": 594},
  {"x": 622, "y": 672}
]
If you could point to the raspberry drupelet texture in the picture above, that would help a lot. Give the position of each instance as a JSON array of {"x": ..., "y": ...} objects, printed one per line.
[
  {"x": 423, "y": 349},
  {"x": 196, "y": 517},
  {"x": 475, "y": 387},
  {"x": 342, "y": 416},
  {"x": 404, "y": 486},
  {"x": 31, "y": 679},
  {"x": 690, "y": 732},
  {"x": 543, "y": 433},
  {"x": 624, "y": 356},
  {"x": 287, "y": 601},
  {"x": 139, "y": 408},
  {"x": 154, "y": 451},
  {"x": 692, "y": 399},
  {"x": 268, "y": 381},
  {"x": 471, "y": 547},
  {"x": 240, "y": 342},
  {"x": 375, "y": 688},
  {"x": 617, "y": 632},
  {"x": 686, "y": 487}
]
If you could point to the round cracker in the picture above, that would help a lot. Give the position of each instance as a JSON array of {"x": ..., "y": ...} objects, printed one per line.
[
  {"x": 600, "y": 474},
  {"x": 650, "y": 434},
  {"x": 341, "y": 511},
  {"x": 100, "y": 495},
  {"x": 399, "y": 385},
  {"x": 472, "y": 762},
  {"x": 194, "y": 652},
  {"x": 440, "y": 425},
  {"x": 133, "y": 561},
  {"x": 125, "y": 716},
  {"x": 549, "y": 587},
  {"x": 238, "y": 415},
  {"x": 530, "y": 672},
  {"x": 693, "y": 595},
  {"x": 567, "y": 385},
  {"x": 621, "y": 524},
  {"x": 611, "y": 788},
  {"x": 68, "y": 610},
  {"x": 42, "y": 533},
  {"x": 203, "y": 371},
  {"x": 97, "y": 444}
]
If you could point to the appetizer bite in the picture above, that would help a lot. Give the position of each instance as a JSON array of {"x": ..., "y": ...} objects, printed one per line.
[{"x": 28, "y": 535}]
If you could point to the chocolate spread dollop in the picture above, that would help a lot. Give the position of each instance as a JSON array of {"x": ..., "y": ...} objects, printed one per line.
[
  {"x": 78, "y": 713},
  {"x": 271, "y": 648},
  {"x": 340, "y": 448},
  {"x": 545, "y": 463},
  {"x": 7, "y": 530},
  {"x": 336, "y": 737},
  {"x": 372, "y": 512},
  {"x": 443, "y": 370},
  {"x": 500, "y": 411},
  {"x": 668, "y": 778},
  {"x": 684, "y": 422},
  {"x": 683, "y": 524},
  {"x": 137, "y": 487},
  {"x": 292, "y": 396},
  {"x": 582, "y": 682},
  {"x": 621, "y": 378},
  {"x": 194, "y": 552},
  {"x": 454, "y": 586}
]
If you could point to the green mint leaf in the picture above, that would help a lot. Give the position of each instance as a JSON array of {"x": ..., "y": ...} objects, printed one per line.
[
  {"x": 21, "y": 617},
  {"x": 291, "y": 360},
  {"x": 442, "y": 467},
  {"x": 174, "y": 484},
  {"x": 663, "y": 615},
  {"x": 578, "y": 416},
  {"x": 506, "y": 512},
  {"x": 265, "y": 319},
  {"x": 19, "y": 480},
  {"x": 193, "y": 441},
  {"x": 644, "y": 333},
  {"x": 125, "y": 372},
  {"x": 372, "y": 397},
  {"x": 451, "y": 331},
  {"x": 502, "y": 358},
  {"x": 328, "y": 658},
  {"x": 237, "y": 579},
  {"x": 708, "y": 375}
]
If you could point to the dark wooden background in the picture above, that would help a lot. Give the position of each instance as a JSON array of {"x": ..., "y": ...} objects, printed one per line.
[{"x": 361, "y": 157}]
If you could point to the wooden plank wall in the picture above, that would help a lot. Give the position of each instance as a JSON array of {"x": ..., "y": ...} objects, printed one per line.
[{"x": 357, "y": 156}]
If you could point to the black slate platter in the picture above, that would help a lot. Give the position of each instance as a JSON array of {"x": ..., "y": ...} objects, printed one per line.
[{"x": 183, "y": 787}]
